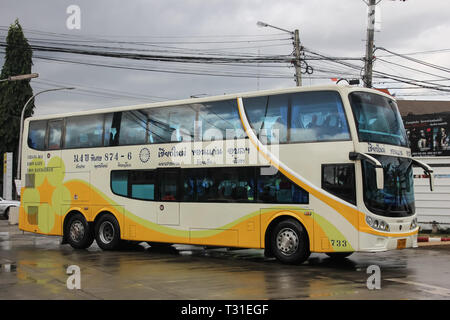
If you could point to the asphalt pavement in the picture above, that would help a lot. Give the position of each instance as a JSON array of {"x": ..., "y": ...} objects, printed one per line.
[{"x": 38, "y": 267}]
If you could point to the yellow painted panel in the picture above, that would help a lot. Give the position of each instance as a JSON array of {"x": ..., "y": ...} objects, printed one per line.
[{"x": 223, "y": 238}]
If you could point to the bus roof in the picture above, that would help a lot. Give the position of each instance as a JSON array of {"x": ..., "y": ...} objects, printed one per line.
[{"x": 334, "y": 87}]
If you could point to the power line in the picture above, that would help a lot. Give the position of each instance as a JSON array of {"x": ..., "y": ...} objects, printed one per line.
[{"x": 442, "y": 68}]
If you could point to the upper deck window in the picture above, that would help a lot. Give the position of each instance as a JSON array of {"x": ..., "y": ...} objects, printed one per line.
[
  {"x": 54, "y": 134},
  {"x": 298, "y": 117},
  {"x": 36, "y": 134},
  {"x": 84, "y": 131},
  {"x": 377, "y": 119}
]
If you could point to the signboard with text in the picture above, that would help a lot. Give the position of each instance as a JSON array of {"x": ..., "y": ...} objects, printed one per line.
[
  {"x": 7, "y": 175},
  {"x": 428, "y": 134}
]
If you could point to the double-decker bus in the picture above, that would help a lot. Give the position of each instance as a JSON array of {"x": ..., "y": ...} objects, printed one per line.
[{"x": 294, "y": 171}]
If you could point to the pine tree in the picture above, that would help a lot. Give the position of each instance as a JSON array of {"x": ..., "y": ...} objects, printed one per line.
[{"x": 14, "y": 94}]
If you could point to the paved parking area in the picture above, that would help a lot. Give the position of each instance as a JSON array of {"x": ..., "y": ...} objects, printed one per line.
[{"x": 35, "y": 267}]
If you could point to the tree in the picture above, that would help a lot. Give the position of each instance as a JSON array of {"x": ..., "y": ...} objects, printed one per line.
[{"x": 14, "y": 94}]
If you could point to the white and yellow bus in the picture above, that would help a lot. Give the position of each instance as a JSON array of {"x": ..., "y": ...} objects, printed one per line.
[{"x": 294, "y": 171}]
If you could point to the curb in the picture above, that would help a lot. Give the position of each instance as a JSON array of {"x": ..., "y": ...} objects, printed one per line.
[{"x": 428, "y": 239}]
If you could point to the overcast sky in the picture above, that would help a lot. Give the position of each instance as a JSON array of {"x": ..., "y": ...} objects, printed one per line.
[{"x": 330, "y": 27}]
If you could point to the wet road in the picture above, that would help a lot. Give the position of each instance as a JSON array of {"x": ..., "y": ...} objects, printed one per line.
[{"x": 34, "y": 267}]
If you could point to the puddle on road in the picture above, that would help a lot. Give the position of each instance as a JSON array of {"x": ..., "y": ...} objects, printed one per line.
[{"x": 4, "y": 236}]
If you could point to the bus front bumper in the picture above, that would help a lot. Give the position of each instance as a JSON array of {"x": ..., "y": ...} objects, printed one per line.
[{"x": 376, "y": 243}]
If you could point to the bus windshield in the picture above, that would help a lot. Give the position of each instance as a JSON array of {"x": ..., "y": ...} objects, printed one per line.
[
  {"x": 377, "y": 119},
  {"x": 397, "y": 197}
]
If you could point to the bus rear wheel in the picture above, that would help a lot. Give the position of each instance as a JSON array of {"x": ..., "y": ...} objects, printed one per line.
[
  {"x": 107, "y": 232},
  {"x": 289, "y": 242},
  {"x": 78, "y": 232}
]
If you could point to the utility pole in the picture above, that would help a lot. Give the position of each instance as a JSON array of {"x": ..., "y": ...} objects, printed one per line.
[
  {"x": 297, "y": 50},
  {"x": 367, "y": 78},
  {"x": 298, "y": 71}
]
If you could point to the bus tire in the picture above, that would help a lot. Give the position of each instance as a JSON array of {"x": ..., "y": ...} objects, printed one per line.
[
  {"x": 107, "y": 232},
  {"x": 289, "y": 242},
  {"x": 6, "y": 214},
  {"x": 338, "y": 255},
  {"x": 78, "y": 232}
]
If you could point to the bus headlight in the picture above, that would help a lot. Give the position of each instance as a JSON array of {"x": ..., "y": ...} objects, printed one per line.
[{"x": 377, "y": 224}]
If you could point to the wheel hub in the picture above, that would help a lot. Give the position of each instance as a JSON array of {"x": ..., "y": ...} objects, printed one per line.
[
  {"x": 106, "y": 232},
  {"x": 77, "y": 231},
  {"x": 287, "y": 241}
]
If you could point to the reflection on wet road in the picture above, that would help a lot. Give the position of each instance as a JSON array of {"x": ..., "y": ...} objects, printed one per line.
[{"x": 34, "y": 267}]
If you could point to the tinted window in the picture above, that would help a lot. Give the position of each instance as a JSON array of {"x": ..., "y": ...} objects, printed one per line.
[
  {"x": 208, "y": 121},
  {"x": 269, "y": 117},
  {"x": 278, "y": 188},
  {"x": 142, "y": 184},
  {"x": 339, "y": 179},
  {"x": 318, "y": 116},
  {"x": 84, "y": 132},
  {"x": 36, "y": 134},
  {"x": 109, "y": 130},
  {"x": 54, "y": 134},
  {"x": 298, "y": 117},
  {"x": 137, "y": 184},
  {"x": 133, "y": 128},
  {"x": 119, "y": 182},
  {"x": 377, "y": 119},
  {"x": 218, "y": 120},
  {"x": 230, "y": 184},
  {"x": 171, "y": 124},
  {"x": 219, "y": 185},
  {"x": 396, "y": 199}
]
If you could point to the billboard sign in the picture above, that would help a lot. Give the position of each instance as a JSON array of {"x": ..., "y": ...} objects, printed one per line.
[{"x": 428, "y": 134}]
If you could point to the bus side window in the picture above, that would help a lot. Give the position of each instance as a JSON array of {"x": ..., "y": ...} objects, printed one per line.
[
  {"x": 112, "y": 129},
  {"x": 269, "y": 117},
  {"x": 54, "y": 134},
  {"x": 339, "y": 179},
  {"x": 133, "y": 128},
  {"x": 84, "y": 131},
  {"x": 119, "y": 182},
  {"x": 142, "y": 184},
  {"x": 36, "y": 134},
  {"x": 318, "y": 116}
]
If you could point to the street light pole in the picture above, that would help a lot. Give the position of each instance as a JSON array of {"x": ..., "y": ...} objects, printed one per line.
[
  {"x": 295, "y": 34},
  {"x": 19, "y": 151}
]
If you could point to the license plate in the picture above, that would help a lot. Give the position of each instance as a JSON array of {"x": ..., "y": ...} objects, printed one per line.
[{"x": 401, "y": 243}]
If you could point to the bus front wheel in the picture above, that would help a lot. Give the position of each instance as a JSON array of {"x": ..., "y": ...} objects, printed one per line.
[
  {"x": 289, "y": 241},
  {"x": 78, "y": 232},
  {"x": 107, "y": 232}
]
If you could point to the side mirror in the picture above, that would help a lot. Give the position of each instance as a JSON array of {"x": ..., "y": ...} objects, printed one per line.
[
  {"x": 428, "y": 170},
  {"x": 379, "y": 172},
  {"x": 431, "y": 181},
  {"x": 380, "y": 177}
]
